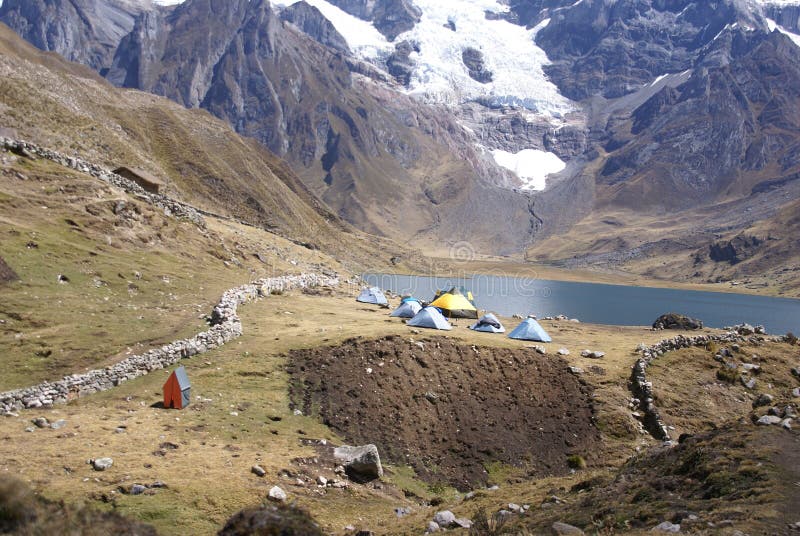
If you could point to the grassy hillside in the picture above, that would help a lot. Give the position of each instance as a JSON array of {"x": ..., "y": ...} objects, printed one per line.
[{"x": 48, "y": 101}]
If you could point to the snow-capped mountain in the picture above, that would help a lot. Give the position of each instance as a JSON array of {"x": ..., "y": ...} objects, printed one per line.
[{"x": 543, "y": 111}]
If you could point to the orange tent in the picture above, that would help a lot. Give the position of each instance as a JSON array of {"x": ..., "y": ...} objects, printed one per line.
[{"x": 177, "y": 389}]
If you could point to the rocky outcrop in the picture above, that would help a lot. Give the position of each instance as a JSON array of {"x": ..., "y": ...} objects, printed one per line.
[
  {"x": 399, "y": 63},
  {"x": 6, "y": 273},
  {"x": 735, "y": 250},
  {"x": 310, "y": 21},
  {"x": 390, "y": 17},
  {"x": 473, "y": 61},
  {"x": 225, "y": 327},
  {"x": 677, "y": 321}
]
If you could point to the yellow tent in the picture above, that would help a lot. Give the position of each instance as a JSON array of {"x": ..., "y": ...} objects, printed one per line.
[{"x": 453, "y": 304}]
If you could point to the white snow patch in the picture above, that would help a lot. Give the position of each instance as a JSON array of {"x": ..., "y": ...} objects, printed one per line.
[
  {"x": 793, "y": 36},
  {"x": 532, "y": 166}
]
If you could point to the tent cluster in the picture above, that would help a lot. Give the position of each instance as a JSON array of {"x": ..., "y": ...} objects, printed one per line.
[{"x": 457, "y": 302}]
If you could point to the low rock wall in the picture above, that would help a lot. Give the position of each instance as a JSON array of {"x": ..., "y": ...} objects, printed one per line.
[
  {"x": 225, "y": 326},
  {"x": 642, "y": 389}
]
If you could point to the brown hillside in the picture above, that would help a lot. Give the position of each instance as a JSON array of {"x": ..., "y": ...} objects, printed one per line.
[{"x": 49, "y": 101}]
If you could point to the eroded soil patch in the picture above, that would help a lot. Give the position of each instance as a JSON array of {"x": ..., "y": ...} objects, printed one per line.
[{"x": 449, "y": 410}]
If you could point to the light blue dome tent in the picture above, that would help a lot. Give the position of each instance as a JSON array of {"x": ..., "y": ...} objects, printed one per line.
[
  {"x": 372, "y": 295},
  {"x": 430, "y": 317},
  {"x": 530, "y": 330},
  {"x": 407, "y": 309},
  {"x": 489, "y": 324}
]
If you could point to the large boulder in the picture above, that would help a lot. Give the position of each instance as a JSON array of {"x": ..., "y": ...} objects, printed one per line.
[
  {"x": 362, "y": 464},
  {"x": 677, "y": 321}
]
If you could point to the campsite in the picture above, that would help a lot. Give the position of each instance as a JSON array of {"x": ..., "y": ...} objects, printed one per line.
[{"x": 255, "y": 402}]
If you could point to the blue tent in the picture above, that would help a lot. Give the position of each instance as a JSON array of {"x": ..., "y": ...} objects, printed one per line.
[
  {"x": 488, "y": 323},
  {"x": 430, "y": 317},
  {"x": 372, "y": 295},
  {"x": 407, "y": 309},
  {"x": 409, "y": 298},
  {"x": 530, "y": 330}
]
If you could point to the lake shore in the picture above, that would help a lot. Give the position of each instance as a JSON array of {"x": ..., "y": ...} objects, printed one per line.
[{"x": 446, "y": 267}]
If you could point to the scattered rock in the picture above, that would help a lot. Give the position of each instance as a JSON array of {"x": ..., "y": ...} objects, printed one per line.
[
  {"x": 361, "y": 463},
  {"x": 593, "y": 354},
  {"x": 563, "y": 351},
  {"x": 562, "y": 529},
  {"x": 744, "y": 329},
  {"x": 750, "y": 383},
  {"x": 787, "y": 423},
  {"x": 322, "y": 481},
  {"x": 768, "y": 419},
  {"x": 402, "y": 511},
  {"x": 444, "y": 518},
  {"x": 796, "y": 392},
  {"x": 59, "y": 424},
  {"x": 433, "y": 526},
  {"x": 575, "y": 370},
  {"x": 41, "y": 422},
  {"x": 276, "y": 494},
  {"x": 101, "y": 464},
  {"x": 763, "y": 400},
  {"x": 258, "y": 470},
  {"x": 462, "y": 522},
  {"x": 666, "y": 526},
  {"x": 137, "y": 489}
]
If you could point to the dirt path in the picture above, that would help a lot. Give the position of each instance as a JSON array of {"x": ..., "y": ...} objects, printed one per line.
[{"x": 449, "y": 410}]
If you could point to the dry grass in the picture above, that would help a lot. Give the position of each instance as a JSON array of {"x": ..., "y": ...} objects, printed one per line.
[{"x": 209, "y": 474}]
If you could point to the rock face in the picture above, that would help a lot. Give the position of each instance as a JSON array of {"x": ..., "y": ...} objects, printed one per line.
[
  {"x": 84, "y": 31},
  {"x": 677, "y": 321},
  {"x": 596, "y": 46},
  {"x": 310, "y": 21},
  {"x": 361, "y": 463}
]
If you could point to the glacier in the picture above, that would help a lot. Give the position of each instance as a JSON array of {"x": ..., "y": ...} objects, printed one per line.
[{"x": 440, "y": 76}]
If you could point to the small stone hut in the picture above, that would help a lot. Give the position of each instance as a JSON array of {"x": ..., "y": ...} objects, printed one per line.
[{"x": 142, "y": 178}]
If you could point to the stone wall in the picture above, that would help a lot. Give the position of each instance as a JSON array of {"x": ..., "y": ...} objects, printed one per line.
[
  {"x": 225, "y": 326},
  {"x": 171, "y": 207},
  {"x": 642, "y": 389}
]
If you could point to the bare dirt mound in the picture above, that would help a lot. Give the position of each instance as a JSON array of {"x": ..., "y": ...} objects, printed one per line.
[
  {"x": 448, "y": 409},
  {"x": 6, "y": 273}
]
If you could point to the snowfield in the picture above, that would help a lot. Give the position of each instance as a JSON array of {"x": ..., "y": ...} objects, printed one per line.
[
  {"x": 440, "y": 76},
  {"x": 532, "y": 166}
]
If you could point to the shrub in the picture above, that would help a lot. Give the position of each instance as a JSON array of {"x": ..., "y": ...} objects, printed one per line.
[
  {"x": 728, "y": 375},
  {"x": 576, "y": 461},
  {"x": 791, "y": 338},
  {"x": 269, "y": 520}
]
